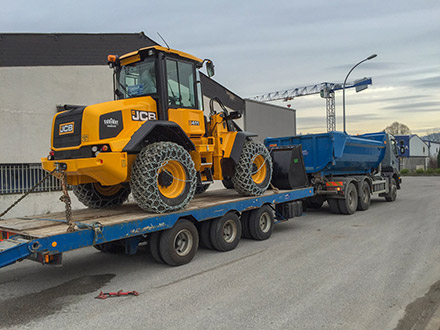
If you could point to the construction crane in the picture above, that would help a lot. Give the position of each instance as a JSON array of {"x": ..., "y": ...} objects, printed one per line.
[{"x": 326, "y": 90}]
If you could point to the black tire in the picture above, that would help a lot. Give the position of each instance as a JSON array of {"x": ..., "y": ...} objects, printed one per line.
[
  {"x": 315, "y": 202},
  {"x": 225, "y": 232},
  {"x": 364, "y": 197},
  {"x": 245, "y": 233},
  {"x": 334, "y": 205},
  {"x": 163, "y": 178},
  {"x": 113, "y": 247},
  {"x": 201, "y": 188},
  {"x": 348, "y": 205},
  {"x": 254, "y": 170},
  {"x": 261, "y": 222},
  {"x": 205, "y": 238},
  {"x": 97, "y": 196},
  {"x": 155, "y": 247},
  {"x": 392, "y": 195},
  {"x": 227, "y": 183},
  {"x": 178, "y": 245}
]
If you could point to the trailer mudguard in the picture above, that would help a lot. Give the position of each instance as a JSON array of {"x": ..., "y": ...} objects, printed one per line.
[{"x": 158, "y": 130}]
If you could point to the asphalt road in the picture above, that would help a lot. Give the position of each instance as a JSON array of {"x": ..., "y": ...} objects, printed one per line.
[{"x": 378, "y": 269}]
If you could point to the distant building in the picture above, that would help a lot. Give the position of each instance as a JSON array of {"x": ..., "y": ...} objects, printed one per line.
[
  {"x": 413, "y": 152},
  {"x": 433, "y": 148}
]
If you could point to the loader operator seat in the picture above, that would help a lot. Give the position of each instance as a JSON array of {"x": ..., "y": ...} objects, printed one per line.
[{"x": 147, "y": 79}]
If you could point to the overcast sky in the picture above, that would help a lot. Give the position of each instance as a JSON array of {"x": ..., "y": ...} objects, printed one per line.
[{"x": 264, "y": 46}]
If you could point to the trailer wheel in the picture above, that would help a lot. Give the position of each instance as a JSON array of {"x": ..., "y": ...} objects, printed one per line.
[
  {"x": 364, "y": 197},
  {"x": 201, "y": 188},
  {"x": 96, "y": 196},
  {"x": 392, "y": 195},
  {"x": 225, "y": 232},
  {"x": 334, "y": 205},
  {"x": 179, "y": 244},
  {"x": 163, "y": 178},
  {"x": 205, "y": 238},
  {"x": 244, "y": 219},
  {"x": 154, "y": 246},
  {"x": 254, "y": 170},
  {"x": 111, "y": 247},
  {"x": 261, "y": 223},
  {"x": 348, "y": 205}
]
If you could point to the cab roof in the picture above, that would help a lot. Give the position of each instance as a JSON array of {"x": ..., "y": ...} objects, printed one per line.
[{"x": 137, "y": 54}]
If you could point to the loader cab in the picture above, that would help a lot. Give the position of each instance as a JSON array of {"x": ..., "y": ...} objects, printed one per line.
[{"x": 171, "y": 78}]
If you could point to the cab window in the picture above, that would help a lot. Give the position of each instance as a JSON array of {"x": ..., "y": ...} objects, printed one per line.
[
  {"x": 137, "y": 79},
  {"x": 394, "y": 147},
  {"x": 180, "y": 82}
]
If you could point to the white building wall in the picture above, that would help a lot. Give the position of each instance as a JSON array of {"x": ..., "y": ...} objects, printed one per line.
[
  {"x": 28, "y": 99},
  {"x": 417, "y": 147},
  {"x": 434, "y": 148}
]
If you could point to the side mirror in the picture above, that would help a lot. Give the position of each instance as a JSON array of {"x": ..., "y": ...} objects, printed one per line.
[{"x": 210, "y": 68}]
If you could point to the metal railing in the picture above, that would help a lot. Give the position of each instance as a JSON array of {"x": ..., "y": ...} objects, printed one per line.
[{"x": 19, "y": 178}]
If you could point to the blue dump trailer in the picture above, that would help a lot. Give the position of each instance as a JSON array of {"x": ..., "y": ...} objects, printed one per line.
[{"x": 344, "y": 170}]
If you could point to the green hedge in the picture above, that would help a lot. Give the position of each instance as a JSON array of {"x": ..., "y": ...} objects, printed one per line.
[{"x": 420, "y": 172}]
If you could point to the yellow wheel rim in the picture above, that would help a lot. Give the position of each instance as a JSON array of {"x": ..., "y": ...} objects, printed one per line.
[
  {"x": 260, "y": 169},
  {"x": 171, "y": 179},
  {"x": 107, "y": 190}
]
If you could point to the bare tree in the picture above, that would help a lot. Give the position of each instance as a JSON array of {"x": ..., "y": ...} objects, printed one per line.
[{"x": 397, "y": 128}]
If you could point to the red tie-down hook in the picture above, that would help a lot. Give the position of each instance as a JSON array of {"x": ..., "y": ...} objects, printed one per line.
[{"x": 105, "y": 295}]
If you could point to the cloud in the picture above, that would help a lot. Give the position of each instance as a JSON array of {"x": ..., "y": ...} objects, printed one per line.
[
  {"x": 415, "y": 107},
  {"x": 309, "y": 120},
  {"x": 428, "y": 82},
  {"x": 369, "y": 100},
  {"x": 386, "y": 66}
]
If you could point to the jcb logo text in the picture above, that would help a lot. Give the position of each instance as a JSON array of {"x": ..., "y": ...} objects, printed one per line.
[
  {"x": 138, "y": 115},
  {"x": 66, "y": 128}
]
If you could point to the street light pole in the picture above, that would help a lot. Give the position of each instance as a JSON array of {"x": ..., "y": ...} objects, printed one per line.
[{"x": 345, "y": 81}]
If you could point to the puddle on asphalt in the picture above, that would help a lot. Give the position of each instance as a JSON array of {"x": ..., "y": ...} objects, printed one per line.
[
  {"x": 419, "y": 312},
  {"x": 22, "y": 310}
]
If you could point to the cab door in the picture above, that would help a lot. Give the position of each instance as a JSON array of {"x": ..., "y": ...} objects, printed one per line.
[{"x": 184, "y": 106}]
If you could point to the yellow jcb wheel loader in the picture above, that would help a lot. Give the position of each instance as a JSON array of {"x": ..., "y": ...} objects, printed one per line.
[{"x": 153, "y": 140}]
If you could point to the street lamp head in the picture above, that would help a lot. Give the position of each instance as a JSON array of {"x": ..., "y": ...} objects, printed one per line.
[{"x": 343, "y": 86}]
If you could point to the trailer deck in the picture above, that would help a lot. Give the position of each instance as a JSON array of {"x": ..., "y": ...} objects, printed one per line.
[{"x": 42, "y": 236}]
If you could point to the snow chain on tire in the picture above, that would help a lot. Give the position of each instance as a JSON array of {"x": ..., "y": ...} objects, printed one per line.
[
  {"x": 90, "y": 196},
  {"x": 145, "y": 174},
  {"x": 242, "y": 179}
]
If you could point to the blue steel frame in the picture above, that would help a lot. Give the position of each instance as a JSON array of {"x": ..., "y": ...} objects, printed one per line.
[{"x": 88, "y": 237}]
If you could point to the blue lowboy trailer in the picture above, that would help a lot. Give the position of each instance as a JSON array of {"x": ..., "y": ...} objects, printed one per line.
[{"x": 217, "y": 219}]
